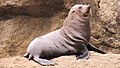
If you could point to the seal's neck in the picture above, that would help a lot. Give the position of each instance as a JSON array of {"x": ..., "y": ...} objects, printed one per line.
[
  {"x": 77, "y": 27},
  {"x": 76, "y": 22}
]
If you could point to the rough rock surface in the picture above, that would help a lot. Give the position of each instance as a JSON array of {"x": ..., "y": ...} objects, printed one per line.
[
  {"x": 34, "y": 8},
  {"x": 109, "y": 14},
  {"x": 95, "y": 61},
  {"x": 18, "y": 31}
]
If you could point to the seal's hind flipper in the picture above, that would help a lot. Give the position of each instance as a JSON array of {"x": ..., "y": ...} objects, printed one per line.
[
  {"x": 83, "y": 54},
  {"x": 26, "y": 55},
  {"x": 90, "y": 47},
  {"x": 44, "y": 62}
]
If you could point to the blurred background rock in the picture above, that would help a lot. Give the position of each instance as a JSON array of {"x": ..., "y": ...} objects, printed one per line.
[{"x": 23, "y": 20}]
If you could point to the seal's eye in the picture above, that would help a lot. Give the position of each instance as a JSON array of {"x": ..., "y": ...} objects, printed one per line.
[
  {"x": 73, "y": 11},
  {"x": 79, "y": 7}
]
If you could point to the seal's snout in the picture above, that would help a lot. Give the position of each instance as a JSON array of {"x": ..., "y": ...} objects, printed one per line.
[
  {"x": 88, "y": 6},
  {"x": 86, "y": 14}
]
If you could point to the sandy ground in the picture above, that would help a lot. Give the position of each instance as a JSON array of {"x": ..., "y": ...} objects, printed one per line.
[{"x": 96, "y": 60}]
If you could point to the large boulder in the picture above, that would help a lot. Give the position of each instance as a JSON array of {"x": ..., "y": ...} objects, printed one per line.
[
  {"x": 109, "y": 14},
  {"x": 16, "y": 32},
  {"x": 34, "y": 8},
  {"x": 96, "y": 60},
  {"x": 23, "y": 20}
]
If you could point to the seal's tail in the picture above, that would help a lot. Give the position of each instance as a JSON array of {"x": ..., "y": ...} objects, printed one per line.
[{"x": 90, "y": 47}]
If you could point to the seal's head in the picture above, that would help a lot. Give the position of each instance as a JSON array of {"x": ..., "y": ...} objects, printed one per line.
[
  {"x": 77, "y": 22},
  {"x": 80, "y": 10}
]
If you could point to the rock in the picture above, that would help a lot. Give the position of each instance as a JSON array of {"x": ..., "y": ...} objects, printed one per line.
[
  {"x": 23, "y": 20},
  {"x": 95, "y": 61},
  {"x": 18, "y": 31},
  {"x": 109, "y": 16},
  {"x": 34, "y": 8}
]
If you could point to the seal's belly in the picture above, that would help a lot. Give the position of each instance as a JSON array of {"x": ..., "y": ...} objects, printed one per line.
[
  {"x": 56, "y": 51},
  {"x": 57, "y": 46}
]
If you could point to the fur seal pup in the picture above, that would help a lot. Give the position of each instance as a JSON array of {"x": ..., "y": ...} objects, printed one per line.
[{"x": 71, "y": 39}]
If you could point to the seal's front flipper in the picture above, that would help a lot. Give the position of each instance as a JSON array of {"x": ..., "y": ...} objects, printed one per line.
[
  {"x": 83, "y": 54},
  {"x": 44, "y": 62},
  {"x": 90, "y": 47}
]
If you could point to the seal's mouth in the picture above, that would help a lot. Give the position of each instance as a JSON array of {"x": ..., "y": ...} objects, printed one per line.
[
  {"x": 86, "y": 15},
  {"x": 87, "y": 12}
]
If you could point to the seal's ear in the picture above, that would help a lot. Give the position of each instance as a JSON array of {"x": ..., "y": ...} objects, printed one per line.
[{"x": 72, "y": 5}]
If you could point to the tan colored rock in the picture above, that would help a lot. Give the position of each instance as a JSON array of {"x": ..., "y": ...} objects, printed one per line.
[
  {"x": 19, "y": 25},
  {"x": 23, "y": 20},
  {"x": 95, "y": 61},
  {"x": 109, "y": 13},
  {"x": 18, "y": 31},
  {"x": 34, "y": 8}
]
